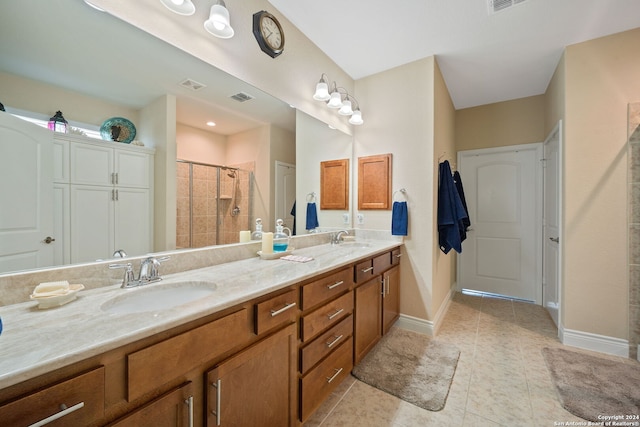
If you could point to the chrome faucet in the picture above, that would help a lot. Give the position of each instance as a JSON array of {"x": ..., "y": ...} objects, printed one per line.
[
  {"x": 149, "y": 272},
  {"x": 336, "y": 237}
]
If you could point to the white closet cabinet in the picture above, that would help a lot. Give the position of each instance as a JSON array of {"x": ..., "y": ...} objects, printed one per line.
[{"x": 110, "y": 202}]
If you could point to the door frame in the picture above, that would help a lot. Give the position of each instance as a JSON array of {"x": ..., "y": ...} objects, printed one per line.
[
  {"x": 557, "y": 130},
  {"x": 539, "y": 196},
  {"x": 279, "y": 191}
]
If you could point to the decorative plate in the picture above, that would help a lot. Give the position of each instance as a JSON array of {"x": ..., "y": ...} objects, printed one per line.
[{"x": 118, "y": 129}]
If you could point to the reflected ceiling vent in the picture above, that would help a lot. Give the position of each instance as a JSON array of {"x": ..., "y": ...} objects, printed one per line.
[
  {"x": 242, "y": 97},
  {"x": 496, "y": 6},
  {"x": 192, "y": 84}
]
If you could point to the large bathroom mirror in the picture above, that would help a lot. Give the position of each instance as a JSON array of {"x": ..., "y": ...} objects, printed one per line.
[{"x": 99, "y": 57}]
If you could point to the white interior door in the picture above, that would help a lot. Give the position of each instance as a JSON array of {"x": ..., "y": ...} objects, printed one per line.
[
  {"x": 503, "y": 189},
  {"x": 551, "y": 223},
  {"x": 26, "y": 197},
  {"x": 285, "y": 192}
]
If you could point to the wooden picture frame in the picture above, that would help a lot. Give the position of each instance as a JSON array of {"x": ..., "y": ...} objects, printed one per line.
[{"x": 374, "y": 182}]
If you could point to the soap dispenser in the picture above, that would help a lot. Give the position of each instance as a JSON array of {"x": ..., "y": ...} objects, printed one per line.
[
  {"x": 280, "y": 238},
  {"x": 257, "y": 234}
]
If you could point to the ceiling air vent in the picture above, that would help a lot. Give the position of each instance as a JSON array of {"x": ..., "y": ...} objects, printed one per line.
[
  {"x": 192, "y": 84},
  {"x": 242, "y": 97},
  {"x": 496, "y": 6}
]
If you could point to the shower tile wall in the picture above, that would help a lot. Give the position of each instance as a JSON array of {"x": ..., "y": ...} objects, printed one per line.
[
  {"x": 183, "y": 206},
  {"x": 205, "y": 205},
  {"x": 634, "y": 228}
]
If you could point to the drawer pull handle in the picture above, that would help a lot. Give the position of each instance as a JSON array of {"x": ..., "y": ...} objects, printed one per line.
[
  {"x": 335, "y": 285},
  {"x": 332, "y": 343},
  {"x": 218, "y": 387},
  {"x": 189, "y": 402},
  {"x": 366, "y": 270},
  {"x": 331, "y": 316},
  {"x": 283, "y": 309},
  {"x": 398, "y": 255},
  {"x": 333, "y": 377},
  {"x": 64, "y": 411}
]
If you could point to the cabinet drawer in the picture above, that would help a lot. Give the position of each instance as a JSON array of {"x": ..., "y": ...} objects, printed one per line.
[
  {"x": 150, "y": 368},
  {"x": 325, "y": 344},
  {"x": 276, "y": 311},
  {"x": 327, "y": 315},
  {"x": 363, "y": 271},
  {"x": 395, "y": 256},
  {"x": 323, "y": 289},
  {"x": 324, "y": 378},
  {"x": 381, "y": 263},
  {"x": 82, "y": 397}
]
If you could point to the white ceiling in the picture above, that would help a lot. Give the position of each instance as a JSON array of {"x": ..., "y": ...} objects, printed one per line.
[
  {"x": 68, "y": 44},
  {"x": 483, "y": 58}
]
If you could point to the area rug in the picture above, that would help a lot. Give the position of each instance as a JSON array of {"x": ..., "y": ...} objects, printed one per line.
[
  {"x": 412, "y": 367},
  {"x": 592, "y": 387}
]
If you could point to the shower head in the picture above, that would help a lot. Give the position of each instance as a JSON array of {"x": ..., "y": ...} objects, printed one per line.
[{"x": 231, "y": 174}]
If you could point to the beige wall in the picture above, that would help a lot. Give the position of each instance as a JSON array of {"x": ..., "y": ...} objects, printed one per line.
[
  {"x": 520, "y": 121},
  {"x": 601, "y": 76},
  {"x": 36, "y": 97},
  {"x": 198, "y": 145},
  {"x": 444, "y": 274},
  {"x": 407, "y": 133}
]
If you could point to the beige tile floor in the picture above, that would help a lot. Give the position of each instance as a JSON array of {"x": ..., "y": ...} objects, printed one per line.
[{"x": 500, "y": 380}]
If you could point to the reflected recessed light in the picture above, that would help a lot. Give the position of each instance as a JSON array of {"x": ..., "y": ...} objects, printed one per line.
[{"x": 211, "y": 123}]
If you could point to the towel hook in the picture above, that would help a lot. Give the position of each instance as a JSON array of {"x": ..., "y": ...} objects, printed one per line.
[
  {"x": 402, "y": 190},
  {"x": 311, "y": 196}
]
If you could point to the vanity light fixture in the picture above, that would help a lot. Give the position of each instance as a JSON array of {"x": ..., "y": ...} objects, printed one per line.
[
  {"x": 219, "y": 23},
  {"x": 181, "y": 7},
  {"x": 338, "y": 98}
]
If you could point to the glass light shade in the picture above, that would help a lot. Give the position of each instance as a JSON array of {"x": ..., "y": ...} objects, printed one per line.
[
  {"x": 356, "y": 118},
  {"x": 181, "y": 7},
  {"x": 345, "y": 110},
  {"x": 335, "y": 101},
  {"x": 322, "y": 92},
  {"x": 218, "y": 23},
  {"x": 57, "y": 123}
]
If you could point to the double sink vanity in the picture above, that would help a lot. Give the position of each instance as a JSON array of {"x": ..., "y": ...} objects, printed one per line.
[{"x": 243, "y": 342}]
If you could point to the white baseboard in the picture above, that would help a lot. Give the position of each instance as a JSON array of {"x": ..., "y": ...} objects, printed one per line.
[
  {"x": 428, "y": 327},
  {"x": 594, "y": 342}
]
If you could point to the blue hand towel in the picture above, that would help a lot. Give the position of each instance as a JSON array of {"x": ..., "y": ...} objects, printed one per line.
[
  {"x": 312, "y": 216},
  {"x": 399, "y": 219},
  {"x": 451, "y": 212}
]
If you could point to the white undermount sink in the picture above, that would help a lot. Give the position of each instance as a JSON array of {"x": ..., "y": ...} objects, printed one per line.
[{"x": 158, "y": 297}]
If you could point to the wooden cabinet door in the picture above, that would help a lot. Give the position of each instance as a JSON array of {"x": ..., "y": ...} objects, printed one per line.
[
  {"x": 391, "y": 298},
  {"x": 368, "y": 317},
  {"x": 374, "y": 182},
  {"x": 172, "y": 409},
  {"x": 256, "y": 387}
]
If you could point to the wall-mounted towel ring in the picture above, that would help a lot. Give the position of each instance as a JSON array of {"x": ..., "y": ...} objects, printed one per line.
[
  {"x": 404, "y": 194},
  {"x": 311, "y": 197}
]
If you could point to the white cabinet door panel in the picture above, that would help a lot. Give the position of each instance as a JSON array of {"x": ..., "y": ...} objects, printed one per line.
[
  {"x": 91, "y": 164},
  {"x": 91, "y": 223}
]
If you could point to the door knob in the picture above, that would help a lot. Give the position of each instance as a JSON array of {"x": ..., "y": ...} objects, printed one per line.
[
  {"x": 555, "y": 239},
  {"x": 49, "y": 239}
]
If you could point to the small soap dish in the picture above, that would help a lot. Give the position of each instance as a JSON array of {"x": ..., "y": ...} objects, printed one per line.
[
  {"x": 57, "y": 300},
  {"x": 275, "y": 255}
]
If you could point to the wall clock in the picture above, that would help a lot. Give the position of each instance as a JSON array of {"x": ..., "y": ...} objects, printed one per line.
[{"x": 268, "y": 33}]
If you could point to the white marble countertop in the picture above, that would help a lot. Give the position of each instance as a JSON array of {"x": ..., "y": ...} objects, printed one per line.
[{"x": 36, "y": 341}]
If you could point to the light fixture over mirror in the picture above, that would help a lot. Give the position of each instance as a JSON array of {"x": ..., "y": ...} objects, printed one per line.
[
  {"x": 338, "y": 98},
  {"x": 181, "y": 7},
  {"x": 219, "y": 23}
]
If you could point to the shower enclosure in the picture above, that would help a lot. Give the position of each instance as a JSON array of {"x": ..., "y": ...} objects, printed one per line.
[{"x": 213, "y": 203}]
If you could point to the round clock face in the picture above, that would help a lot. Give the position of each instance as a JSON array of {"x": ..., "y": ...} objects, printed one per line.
[
  {"x": 268, "y": 33},
  {"x": 271, "y": 32}
]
